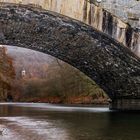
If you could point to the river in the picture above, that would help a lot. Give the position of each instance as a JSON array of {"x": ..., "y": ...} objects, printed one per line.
[{"x": 38, "y": 121}]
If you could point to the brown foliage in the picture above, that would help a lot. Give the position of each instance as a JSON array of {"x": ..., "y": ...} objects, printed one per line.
[{"x": 7, "y": 74}]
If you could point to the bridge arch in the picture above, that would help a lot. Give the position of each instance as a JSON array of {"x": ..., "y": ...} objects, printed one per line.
[
  {"x": 89, "y": 12},
  {"x": 111, "y": 65}
]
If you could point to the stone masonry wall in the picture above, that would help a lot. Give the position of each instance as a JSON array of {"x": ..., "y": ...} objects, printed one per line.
[{"x": 94, "y": 15}]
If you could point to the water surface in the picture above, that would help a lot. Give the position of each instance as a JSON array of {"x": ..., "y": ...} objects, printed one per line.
[{"x": 56, "y": 122}]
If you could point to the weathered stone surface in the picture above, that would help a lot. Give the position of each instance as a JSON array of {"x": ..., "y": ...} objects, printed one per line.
[
  {"x": 91, "y": 13},
  {"x": 111, "y": 65}
]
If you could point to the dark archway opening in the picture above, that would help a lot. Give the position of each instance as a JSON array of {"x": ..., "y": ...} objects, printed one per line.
[{"x": 42, "y": 78}]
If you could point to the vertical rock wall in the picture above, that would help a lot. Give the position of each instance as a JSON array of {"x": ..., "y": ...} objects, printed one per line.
[{"x": 93, "y": 15}]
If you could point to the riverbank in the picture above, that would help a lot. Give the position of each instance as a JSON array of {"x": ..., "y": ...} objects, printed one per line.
[{"x": 70, "y": 100}]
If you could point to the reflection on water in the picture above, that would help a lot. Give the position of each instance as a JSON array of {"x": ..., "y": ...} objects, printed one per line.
[{"x": 55, "y": 122}]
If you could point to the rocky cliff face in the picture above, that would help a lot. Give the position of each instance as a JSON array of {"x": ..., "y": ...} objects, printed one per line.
[
  {"x": 127, "y": 10},
  {"x": 94, "y": 15}
]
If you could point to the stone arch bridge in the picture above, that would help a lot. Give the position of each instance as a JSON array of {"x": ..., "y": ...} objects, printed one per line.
[{"x": 110, "y": 59}]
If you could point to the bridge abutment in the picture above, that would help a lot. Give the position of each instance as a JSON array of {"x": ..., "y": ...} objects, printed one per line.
[{"x": 125, "y": 104}]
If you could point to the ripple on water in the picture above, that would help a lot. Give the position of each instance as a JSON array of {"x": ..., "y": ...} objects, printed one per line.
[{"x": 53, "y": 107}]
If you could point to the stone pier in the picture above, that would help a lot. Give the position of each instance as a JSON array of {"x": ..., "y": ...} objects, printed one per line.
[{"x": 124, "y": 104}]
